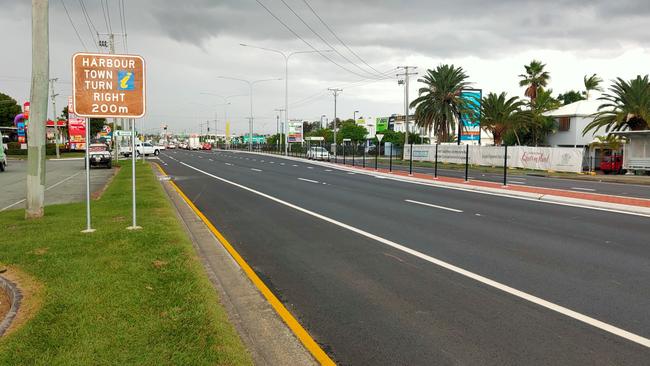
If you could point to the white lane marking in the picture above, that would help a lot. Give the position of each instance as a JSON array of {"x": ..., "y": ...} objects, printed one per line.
[
  {"x": 328, "y": 170},
  {"x": 434, "y": 206},
  {"x": 228, "y": 164},
  {"x": 256, "y": 170},
  {"x": 294, "y": 165},
  {"x": 463, "y": 272},
  {"x": 352, "y": 173},
  {"x": 271, "y": 162},
  {"x": 47, "y": 189},
  {"x": 583, "y": 189},
  {"x": 310, "y": 167},
  {"x": 210, "y": 159},
  {"x": 514, "y": 182},
  {"x": 281, "y": 163},
  {"x": 308, "y": 180}
]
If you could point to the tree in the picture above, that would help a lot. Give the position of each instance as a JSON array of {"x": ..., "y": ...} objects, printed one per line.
[
  {"x": 9, "y": 108},
  {"x": 439, "y": 102},
  {"x": 535, "y": 126},
  {"x": 500, "y": 114},
  {"x": 592, "y": 83},
  {"x": 534, "y": 79},
  {"x": 350, "y": 130},
  {"x": 571, "y": 96},
  {"x": 625, "y": 106}
]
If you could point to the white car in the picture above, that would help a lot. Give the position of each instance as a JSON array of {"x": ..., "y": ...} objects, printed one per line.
[
  {"x": 318, "y": 153},
  {"x": 143, "y": 148}
]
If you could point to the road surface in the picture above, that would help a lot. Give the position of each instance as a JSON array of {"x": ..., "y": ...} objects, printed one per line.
[{"x": 384, "y": 272}]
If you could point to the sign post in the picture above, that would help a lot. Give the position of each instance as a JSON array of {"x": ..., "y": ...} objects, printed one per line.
[
  {"x": 109, "y": 86},
  {"x": 379, "y": 136}
]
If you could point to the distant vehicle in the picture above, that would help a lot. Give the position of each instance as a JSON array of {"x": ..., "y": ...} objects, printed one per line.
[
  {"x": 207, "y": 146},
  {"x": 99, "y": 155},
  {"x": 318, "y": 153},
  {"x": 194, "y": 143},
  {"x": 3, "y": 155},
  {"x": 143, "y": 148},
  {"x": 611, "y": 164},
  {"x": 160, "y": 146},
  {"x": 171, "y": 145}
]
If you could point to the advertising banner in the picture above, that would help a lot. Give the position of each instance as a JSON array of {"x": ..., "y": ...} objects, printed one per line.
[
  {"x": 295, "y": 131},
  {"x": 560, "y": 159},
  {"x": 77, "y": 132},
  {"x": 382, "y": 124},
  {"x": 471, "y": 121},
  {"x": 361, "y": 122}
]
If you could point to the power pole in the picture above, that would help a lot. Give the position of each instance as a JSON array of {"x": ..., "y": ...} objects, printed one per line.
[
  {"x": 38, "y": 110},
  {"x": 406, "y": 75},
  {"x": 335, "y": 92},
  {"x": 54, "y": 118},
  {"x": 277, "y": 127}
]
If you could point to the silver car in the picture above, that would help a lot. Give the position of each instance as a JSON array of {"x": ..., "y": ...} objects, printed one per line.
[{"x": 318, "y": 153}]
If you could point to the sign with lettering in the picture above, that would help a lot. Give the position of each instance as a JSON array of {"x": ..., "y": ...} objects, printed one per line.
[{"x": 106, "y": 85}]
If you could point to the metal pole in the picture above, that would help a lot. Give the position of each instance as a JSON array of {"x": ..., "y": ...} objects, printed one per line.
[
  {"x": 250, "y": 127},
  {"x": 505, "y": 165},
  {"x": 435, "y": 166},
  {"x": 344, "y": 146},
  {"x": 89, "y": 228},
  {"x": 466, "y": 162},
  {"x": 377, "y": 153},
  {"x": 460, "y": 127},
  {"x": 411, "y": 160},
  {"x": 54, "y": 119},
  {"x": 134, "y": 225},
  {"x": 354, "y": 147},
  {"x": 390, "y": 158},
  {"x": 286, "y": 101},
  {"x": 364, "y": 155}
]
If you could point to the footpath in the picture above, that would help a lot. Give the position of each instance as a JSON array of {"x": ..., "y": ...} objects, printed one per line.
[{"x": 630, "y": 205}]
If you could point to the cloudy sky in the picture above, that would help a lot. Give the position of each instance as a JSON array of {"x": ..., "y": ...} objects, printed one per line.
[{"x": 189, "y": 44}]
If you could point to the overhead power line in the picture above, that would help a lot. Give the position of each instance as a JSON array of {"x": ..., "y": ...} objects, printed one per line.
[
  {"x": 73, "y": 26},
  {"x": 371, "y": 74},
  {"x": 89, "y": 23},
  {"x": 338, "y": 38},
  {"x": 307, "y": 43}
]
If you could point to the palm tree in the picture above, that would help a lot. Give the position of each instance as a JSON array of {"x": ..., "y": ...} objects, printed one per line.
[
  {"x": 592, "y": 83},
  {"x": 534, "y": 79},
  {"x": 500, "y": 115},
  {"x": 439, "y": 102},
  {"x": 625, "y": 106}
]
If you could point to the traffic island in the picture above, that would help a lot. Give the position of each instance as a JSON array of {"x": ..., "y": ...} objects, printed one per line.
[{"x": 115, "y": 296}]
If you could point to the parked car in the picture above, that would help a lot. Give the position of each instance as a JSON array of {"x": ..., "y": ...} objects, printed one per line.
[
  {"x": 3, "y": 156},
  {"x": 171, "y": 145},
  {"x": 206, "y": 146},
  {"x": 611, "y": 164},
  {"x": 318, "y": 153},
  {"x": 99, "y": 155}
]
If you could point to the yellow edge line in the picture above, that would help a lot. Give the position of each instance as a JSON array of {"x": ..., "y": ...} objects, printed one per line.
[{"x": 282, "y": 311}]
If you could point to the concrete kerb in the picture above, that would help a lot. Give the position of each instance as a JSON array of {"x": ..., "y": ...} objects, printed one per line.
[
  {"x": 547, "y": 198},
  {"x": 15, "y": 297}
]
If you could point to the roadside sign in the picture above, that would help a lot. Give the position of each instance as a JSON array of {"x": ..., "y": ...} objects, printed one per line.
[
  {"x": 106, "y": 85},
  {"x": 379, "y": 136},
  {"x": 315, "y": 138},
  {"x": 122, "y": 133}
]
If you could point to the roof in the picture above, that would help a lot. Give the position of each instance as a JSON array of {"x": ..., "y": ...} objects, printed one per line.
[{"x": 580, "y": 108}]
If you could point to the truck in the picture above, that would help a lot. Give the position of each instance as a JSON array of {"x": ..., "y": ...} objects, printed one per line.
[{"x": 193, "y": 143}]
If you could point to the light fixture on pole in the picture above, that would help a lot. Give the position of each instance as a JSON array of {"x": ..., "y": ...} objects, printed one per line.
[
  {"x": 355, "y": 116},
  {"x": 250, "y": 86},
  {"x": 287, "y": 56}
]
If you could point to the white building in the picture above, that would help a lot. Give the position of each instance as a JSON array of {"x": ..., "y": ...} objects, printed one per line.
[{"x": 571, "y": 120}]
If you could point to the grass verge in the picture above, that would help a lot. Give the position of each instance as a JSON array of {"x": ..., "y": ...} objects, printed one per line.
[{"x": 116, "y": 296}]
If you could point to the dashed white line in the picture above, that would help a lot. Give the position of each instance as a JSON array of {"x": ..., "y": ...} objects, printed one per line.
[
  {"x": 309, "y": 180},
  {"x": 509, "y": 181},
  {"x": 328, "y": 170},
  {"x": 256, "y": 170},
  {"x": 583, "y": 189},
  {"x": 294, "y": 165},
  {"x": 434, "y": 206},
  {"x": 210, "y": 159},
  {"x": 461, "y": 271},
  {"x": 228, "y": 164},
  {"x": 310, "y": 167}
]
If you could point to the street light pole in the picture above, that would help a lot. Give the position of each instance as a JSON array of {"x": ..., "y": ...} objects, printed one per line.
[
  {"x": 335, "y": 92},
  {"x": 286, "y": 56},
  {"x": 250, "y": 86},
  {"x": 355, "y": 116}
]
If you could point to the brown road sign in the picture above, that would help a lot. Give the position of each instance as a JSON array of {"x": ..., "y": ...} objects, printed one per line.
[{"x": 106, "y": 85}]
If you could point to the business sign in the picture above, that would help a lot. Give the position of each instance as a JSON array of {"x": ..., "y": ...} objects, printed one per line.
[
  {"x": 77, "y": 133},
  {"x": 361, "y": 122},
  {"x": 382, "y": 124},
  {"x": 471, "y": 121},
  {"x": 106, "y": 85},
  {"x": 122, "y": 133},
  {"x": 256, "y": 139},
  {"x": 391, "y": 123},
  {"x": 295, "y": 131}
]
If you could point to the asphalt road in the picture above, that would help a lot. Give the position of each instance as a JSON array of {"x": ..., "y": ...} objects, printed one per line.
[
  {"x": 384, "y": 272},
  {"x": 65, "y": 181}
]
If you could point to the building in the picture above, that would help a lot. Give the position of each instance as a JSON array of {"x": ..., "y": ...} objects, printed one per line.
[{"x": 571, "y": 120}]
